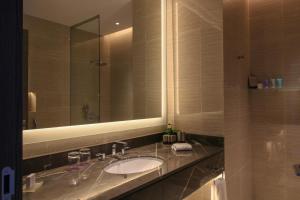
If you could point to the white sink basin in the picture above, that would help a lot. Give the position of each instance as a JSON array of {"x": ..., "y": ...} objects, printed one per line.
[{"x": 133, "y": 165}]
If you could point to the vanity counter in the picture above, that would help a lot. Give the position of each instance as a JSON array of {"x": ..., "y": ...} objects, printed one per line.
[{"x": 101, "y": 185}]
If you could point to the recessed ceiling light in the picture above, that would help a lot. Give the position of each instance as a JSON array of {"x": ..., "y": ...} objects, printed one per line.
[{"x": 117, "y": 23}]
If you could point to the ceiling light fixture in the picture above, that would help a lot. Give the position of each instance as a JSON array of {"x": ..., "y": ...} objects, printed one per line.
[{"x": 117, "y": 23}]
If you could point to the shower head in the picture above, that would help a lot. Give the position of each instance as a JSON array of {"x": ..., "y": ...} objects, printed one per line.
[{"x": 98, "y": 63}]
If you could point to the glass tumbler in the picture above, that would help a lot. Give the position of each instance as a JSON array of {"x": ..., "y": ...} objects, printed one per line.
[
  {"x": 85, "y": 156},
  {"x": 74, "y": 169},
  {"x": 85, "y": 162}
]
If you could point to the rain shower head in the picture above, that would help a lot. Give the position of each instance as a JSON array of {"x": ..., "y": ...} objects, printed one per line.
[{"x": 98, "y": 63}]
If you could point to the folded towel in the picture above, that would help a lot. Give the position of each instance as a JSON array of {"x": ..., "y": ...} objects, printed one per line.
[
  {"x": 218, "y": 189},
  {"x": 182, "y": 147}
]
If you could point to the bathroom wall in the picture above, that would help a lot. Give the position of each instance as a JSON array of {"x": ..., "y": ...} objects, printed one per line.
[
  {"x": 84, "y": 76},
  {"x": 238, "y": 163},
  {"x": 170, "y": 63},
  {"x": 147, "y": 59},
  {"x": 49, "y": 54},
  {"x": 117, "y": 55},
  {"x": 198, "y": 63},
  {"x": 275, "y": 114},
  {"x": 133, "y": 57},
  {"x": 105, "y": 80},
  {"x": 48, "y": 71}
]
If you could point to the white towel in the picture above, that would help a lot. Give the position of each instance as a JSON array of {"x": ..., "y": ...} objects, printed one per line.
[
  {"x": 218, "y": 189},
  {"x": 182, "y": 147}
]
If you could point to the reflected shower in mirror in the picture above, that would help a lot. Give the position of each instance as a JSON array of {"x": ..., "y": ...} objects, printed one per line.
[
  {"x": 92, "y": 63},
  {"x": 85, "y": 72}
]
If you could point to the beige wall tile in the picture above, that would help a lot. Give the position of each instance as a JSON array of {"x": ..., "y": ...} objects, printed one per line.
[
  {"x": 48, "y": 71},
  {"x": 275, "y": 42},
  {"x": 238, "y": 160},
  {"x": 119, "y": 83},
  {"x": 198, "y": 66},
  {"x": 146, "y": 66}
]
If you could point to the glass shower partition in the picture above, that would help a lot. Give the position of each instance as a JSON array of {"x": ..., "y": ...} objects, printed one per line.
[{"x": 85, "y": 72}]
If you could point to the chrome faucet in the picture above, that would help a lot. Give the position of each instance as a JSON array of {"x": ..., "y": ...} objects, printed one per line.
[
  {"x": 114, "y": 150},
  {"x": 101, "y": 156},
  {"x": 123, "y": 149}
]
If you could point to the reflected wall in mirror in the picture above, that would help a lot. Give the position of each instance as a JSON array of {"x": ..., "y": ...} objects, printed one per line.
[{"x": 91, "y": 63}]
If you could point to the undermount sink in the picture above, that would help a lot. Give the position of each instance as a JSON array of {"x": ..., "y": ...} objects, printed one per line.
[{"x": 134, "y": 165}]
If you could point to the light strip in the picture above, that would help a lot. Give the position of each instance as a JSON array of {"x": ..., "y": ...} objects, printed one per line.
[
  {"x": 69, "y": 132},
  {"x": 164, "y": 59},
  {"x": 177, "y": 58}
]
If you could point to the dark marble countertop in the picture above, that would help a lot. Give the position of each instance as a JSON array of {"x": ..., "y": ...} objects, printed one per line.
[{"x": 101, "y": 185}]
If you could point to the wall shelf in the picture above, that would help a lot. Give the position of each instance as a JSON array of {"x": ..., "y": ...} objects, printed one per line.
[{"x": 287, "y": 89}]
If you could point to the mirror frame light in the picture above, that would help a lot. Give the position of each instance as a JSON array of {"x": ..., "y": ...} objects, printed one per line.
[{"x": 69, "y": 132}]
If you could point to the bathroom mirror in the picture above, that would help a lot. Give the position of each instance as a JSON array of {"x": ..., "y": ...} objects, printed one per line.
[{"x": 91, "y": 61}]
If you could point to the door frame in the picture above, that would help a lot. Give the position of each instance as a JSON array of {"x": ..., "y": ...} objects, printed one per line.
[{"x": 11, "y": 91}]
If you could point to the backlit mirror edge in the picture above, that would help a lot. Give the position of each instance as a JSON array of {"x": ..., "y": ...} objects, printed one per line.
[{"x": 69, "y": 132}]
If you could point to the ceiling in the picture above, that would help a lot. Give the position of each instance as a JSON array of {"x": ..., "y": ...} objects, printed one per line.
[{"x": 71, "y": 12}]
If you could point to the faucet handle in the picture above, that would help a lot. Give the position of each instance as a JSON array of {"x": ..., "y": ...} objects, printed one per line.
[
  {"x": 125, "y": 147},
  {"x": 101, "y": 156}
]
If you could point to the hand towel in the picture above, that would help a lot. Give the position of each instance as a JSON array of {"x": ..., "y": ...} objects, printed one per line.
[
  {"x": 218, "y": 189},
  {"x": 182, "y": 147}
]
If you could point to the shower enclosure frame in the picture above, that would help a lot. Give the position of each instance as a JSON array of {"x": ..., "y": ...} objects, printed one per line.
[{"x": 99, "y": 53}]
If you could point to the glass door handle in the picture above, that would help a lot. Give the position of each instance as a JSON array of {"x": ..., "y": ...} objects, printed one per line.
[{"x": 8, "y": 183}]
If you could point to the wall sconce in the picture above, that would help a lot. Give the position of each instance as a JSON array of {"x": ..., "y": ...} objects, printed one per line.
[{"x": 31, "y": 102}]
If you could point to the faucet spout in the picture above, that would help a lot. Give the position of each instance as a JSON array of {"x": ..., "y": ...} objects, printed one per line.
[
  {"x": 123, "y": 149},
  {"x": 114, "y": 150}
]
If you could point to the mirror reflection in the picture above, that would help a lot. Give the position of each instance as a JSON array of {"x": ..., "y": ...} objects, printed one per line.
[{"x": 90, "y": 61}]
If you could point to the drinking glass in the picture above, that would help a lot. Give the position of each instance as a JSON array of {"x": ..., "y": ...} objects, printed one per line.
[
  {"x": 74, "y": 170},
  {"x": 85, "y": 161},
  {"x": 85, "y": 155}
]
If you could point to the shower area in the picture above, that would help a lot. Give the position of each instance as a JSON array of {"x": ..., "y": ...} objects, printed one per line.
[{"x": 85, "y": 72}]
